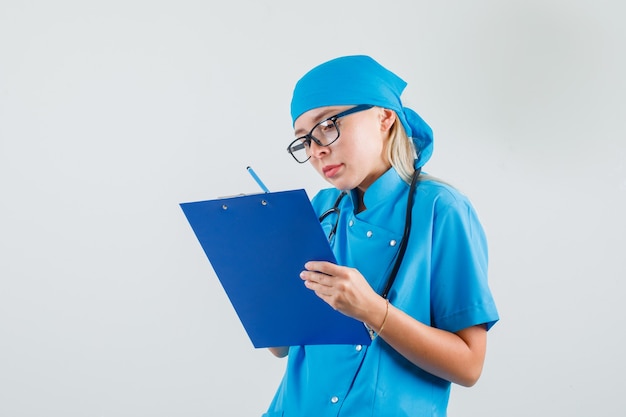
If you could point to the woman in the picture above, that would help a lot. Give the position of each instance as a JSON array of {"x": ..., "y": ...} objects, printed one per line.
[{"x": 411, "y": 255}]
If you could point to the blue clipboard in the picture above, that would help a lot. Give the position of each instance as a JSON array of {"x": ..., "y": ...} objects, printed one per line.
[{"x": 258, "y": 245}]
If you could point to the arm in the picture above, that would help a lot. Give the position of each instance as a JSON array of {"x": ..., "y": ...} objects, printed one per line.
[
  {"x": 279, "y": 352},
  {"x": 456, "y": 357}
]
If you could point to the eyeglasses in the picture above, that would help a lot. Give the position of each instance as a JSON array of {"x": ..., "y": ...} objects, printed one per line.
[{"x": 325, "y": 133}]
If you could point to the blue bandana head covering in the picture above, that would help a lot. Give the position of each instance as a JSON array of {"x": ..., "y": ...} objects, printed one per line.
[{"x": 359, "y": 79}]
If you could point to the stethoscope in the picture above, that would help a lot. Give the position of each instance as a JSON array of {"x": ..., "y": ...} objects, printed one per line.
[{"x": 405, "y": 236}]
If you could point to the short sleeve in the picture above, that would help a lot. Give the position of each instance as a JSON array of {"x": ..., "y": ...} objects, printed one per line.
[{"x": 460, "y": 295}]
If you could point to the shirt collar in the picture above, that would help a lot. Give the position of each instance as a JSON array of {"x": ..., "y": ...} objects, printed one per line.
[{"x": 379, "y": 192}]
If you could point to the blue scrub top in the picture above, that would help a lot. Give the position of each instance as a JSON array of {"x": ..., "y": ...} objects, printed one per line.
[{"x": 442, "y": 282}]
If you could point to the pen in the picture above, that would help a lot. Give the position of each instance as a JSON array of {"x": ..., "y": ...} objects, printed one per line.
[{"x": 257, "y": 179}]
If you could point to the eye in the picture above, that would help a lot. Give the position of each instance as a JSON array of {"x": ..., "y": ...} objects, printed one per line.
[{"x": 327, "y": 125}]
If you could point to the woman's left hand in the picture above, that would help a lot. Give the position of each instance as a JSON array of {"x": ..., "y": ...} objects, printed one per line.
[
  {"x": 344, "y": 289},
  {"x": 457, "y": 357}
]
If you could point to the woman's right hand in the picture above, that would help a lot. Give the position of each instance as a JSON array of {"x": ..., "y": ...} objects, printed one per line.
[{"x": 280, "y": 352}]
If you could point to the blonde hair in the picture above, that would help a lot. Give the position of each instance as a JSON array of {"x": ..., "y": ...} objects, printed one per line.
[
  {"x": 401, "y": 151},
  {"x": 401, "y": 154}
]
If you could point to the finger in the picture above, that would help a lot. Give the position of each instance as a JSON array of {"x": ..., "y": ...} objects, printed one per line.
[
  {"x": 316, "y": 277},
  {"x": 324, "y": 267},
  {"x": 322, "y": 291}
]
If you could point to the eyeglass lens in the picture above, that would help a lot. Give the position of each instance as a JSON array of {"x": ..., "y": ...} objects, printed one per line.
[{"x": 324, "y": 133}]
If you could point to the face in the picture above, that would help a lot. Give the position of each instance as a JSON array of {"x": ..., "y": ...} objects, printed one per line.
[{"x": 357, "y": 158}]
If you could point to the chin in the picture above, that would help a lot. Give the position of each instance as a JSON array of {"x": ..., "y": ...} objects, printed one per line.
[{"x": 340, "y": 185}]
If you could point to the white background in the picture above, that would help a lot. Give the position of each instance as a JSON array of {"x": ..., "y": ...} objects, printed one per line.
[{"x": 112, "y": 113}]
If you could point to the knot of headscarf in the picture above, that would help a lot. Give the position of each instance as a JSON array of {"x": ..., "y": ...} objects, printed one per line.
[{"x": 359, "y": 79}]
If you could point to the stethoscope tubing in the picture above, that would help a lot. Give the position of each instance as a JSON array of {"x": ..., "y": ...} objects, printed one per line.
[{"x": 405, "y": 235}]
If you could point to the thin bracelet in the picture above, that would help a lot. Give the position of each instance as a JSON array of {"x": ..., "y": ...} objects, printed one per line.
[{"x": 382, "y": 326}]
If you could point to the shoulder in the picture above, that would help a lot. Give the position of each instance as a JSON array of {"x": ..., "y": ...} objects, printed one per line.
[
  {"x": 449, "y": 210},
  {"x": 445, "y": 203},
  {"x": 439, "y": 193}
]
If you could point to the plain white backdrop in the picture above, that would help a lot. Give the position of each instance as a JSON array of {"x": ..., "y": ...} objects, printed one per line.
[{"x": 112, "y": 113}]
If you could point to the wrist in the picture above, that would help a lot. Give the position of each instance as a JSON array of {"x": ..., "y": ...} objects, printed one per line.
[
  {"x": 376, "y": 325},
  {"x": 382, "y": 325}
]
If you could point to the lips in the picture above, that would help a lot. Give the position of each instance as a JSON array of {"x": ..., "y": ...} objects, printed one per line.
[{"x": 331, "y": 170}]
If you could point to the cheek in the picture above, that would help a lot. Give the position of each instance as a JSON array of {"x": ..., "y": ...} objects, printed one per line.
[{"x": 365, "y": 146}]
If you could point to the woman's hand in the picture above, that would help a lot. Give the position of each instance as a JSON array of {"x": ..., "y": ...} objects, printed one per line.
[
  {"x": 457, "y": 357},
  {"x": 346, "y": 290},
  {"x": 279, "y": 352}
]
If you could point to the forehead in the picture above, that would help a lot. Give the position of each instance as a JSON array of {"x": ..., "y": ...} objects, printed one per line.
[{"x": 310, "y": 118}]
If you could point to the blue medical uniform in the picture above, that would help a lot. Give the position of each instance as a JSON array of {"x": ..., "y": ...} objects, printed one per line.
[{"x": 442, "y": 282}]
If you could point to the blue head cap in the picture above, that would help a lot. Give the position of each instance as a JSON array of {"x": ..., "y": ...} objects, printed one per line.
[{"x": 358, "y": 79}]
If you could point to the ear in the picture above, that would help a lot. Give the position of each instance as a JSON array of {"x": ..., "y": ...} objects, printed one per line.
[{"x": 387, "y": 119}]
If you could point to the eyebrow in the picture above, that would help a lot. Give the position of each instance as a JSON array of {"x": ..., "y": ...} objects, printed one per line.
[{"x": 321, "y": 116}]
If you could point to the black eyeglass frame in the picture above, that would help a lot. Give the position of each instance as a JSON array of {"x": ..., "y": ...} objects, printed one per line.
[{"x": 306, "y": 139}]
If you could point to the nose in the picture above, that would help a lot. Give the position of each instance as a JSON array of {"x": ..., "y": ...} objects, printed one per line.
[{"x": 317, "y": 151}]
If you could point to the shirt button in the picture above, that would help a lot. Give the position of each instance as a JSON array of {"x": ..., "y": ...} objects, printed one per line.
[
  {"x": 358, "y": 348},
  {"x": 392, "y": 243},
  {"x": 351, "y": 223},
  {"x": 334, "y": 400},
  {"x": 369, "y": 233}
]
